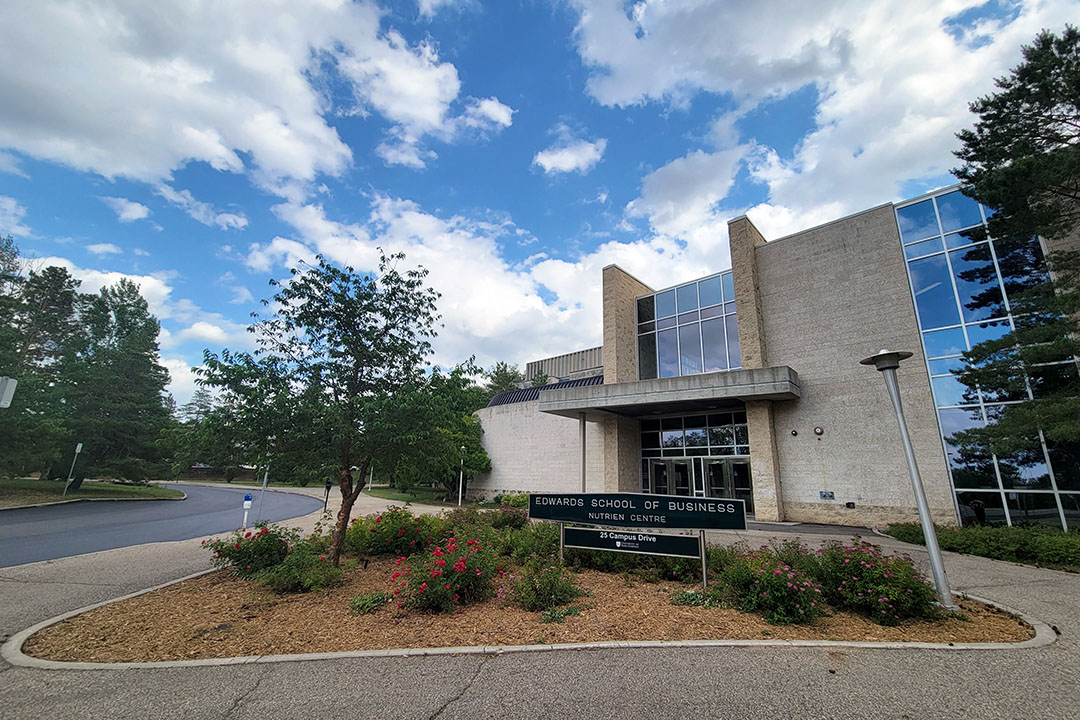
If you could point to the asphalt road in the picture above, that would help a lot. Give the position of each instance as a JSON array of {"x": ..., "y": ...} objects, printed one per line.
[{"x": 56, "y": 531}]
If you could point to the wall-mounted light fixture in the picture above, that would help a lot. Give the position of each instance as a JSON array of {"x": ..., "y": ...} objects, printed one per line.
[{"x": 819, "y": 431}]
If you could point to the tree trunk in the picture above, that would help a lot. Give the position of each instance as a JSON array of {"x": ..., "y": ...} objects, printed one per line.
[{"x": 349, "y": 493}]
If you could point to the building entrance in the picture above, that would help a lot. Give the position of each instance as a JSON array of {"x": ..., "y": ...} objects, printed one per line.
[{"x": 703, "y": 477}]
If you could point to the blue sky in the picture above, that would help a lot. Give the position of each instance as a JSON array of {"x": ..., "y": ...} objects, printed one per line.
[{"x": 512, "y": 147}]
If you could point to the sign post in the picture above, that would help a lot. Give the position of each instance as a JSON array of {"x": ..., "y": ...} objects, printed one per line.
[
  {"x": 638, "y": 510},
  {"x": 266, "y": 478},
  {"x": 247, "y": 506},
  {"x": 78, "y": 449}
]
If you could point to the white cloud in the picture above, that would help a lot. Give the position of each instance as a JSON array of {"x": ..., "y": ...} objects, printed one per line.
[
  {"x": 181, "y": 380},
  {"x": 893, "y": 80},
  {"x": 203, "y": 212},
  {"x": 140, "y": 252},
  {"x": 205, "y": 332},
  {"x": 126, "y": 210},
  {"x": 487, "y": 115},
  {"x": 11, "y": 216},
  {"x": 241, "y": 294},
  {"x": 10, "y": 164},
  {"x": 569, "y": 153},
  {"x": 103, "y": 249},
  {"x": 428, "y": 8},
  {"x": 239, "y": 86}
]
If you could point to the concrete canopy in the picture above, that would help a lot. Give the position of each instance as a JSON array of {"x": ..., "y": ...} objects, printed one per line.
[{"x": 690, "y": 393}]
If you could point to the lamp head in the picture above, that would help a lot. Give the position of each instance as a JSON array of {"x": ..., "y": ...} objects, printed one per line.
[{"x": 885, "y": 360}]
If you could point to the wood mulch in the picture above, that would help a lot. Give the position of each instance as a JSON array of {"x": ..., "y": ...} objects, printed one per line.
[{"x": 216, "y": 616}]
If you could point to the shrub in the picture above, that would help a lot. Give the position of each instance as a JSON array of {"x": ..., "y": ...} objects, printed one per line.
[
  {"x": 544, "y": 584},
  {"x": 557, "y": 615},
  {"x": 395, "y": 531},
  {"x": 763, "y": 583},
  {"x": 515, "y": 500},
  {"x": 450, "y": 575},
  {"x": 304, "y": 569},
  {"x": 1032, "y": 545},
  {"x": 886, "y": 588},
  {"x": 534, "y": 539},
  {"x": 367, "y": 603},
  {"x": 651, "y": 568},
  {"x": 508, "y": 516},
  {"x": 713, "y": 597},
  {"x": 253, "y": 551}
]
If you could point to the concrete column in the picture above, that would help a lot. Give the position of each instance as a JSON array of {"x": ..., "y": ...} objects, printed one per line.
[
  {"x": 581, "y": 432},
  {"x": 621, "y": 290},
  {"x": 764, "y": 463},
  {"x": 622, "y": 455}
]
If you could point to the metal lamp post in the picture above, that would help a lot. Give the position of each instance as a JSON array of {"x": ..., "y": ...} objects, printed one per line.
[
  {"x": 886, "y": 363},
  {"x": 461, "y": 476}
]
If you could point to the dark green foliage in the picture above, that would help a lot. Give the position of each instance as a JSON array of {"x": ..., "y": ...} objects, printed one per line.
[
  {"x": 395, "y": 531},
  {"x": 452, "y": 574},
  {"x": 650, "y": 568},
  {"x": 544, "y": 584},
  {"x": 540, "y": 379},
  {"x": 253, "y": 551},
  {"x": 557, "y": 615},
  {"x": 306, "y": 568},
  {"x": 541, "y": 539},
  {"x": 508, "y": 517},
  {"x": 710, "y": 598},
  {"x": 503, "y": 378},
  {"x": 1023, "y": 156},
  {"x": 781, "y": 593},
  {"x": 887, "y": 589},
  {"x": 1043, "y": 546},
  {"x": 1022, "y": 160},
  {"x": 368, "y": 603}
]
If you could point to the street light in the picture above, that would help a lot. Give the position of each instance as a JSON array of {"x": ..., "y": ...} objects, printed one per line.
[
  {"x": 886, "y": 363},
  {"x": 461, "y": 475}
]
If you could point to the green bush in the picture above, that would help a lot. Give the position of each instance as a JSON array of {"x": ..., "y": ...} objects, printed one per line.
[
  {"x": 516, "y": 500},
  {"x": 544, "y": 584},
  {"x": 1031, "y": 545},
  {"x": 557, "y": 615},
  {"x": 764, "y": 583},
  {"x": 886, "y": 588},
  {"x": 395, "y": 531},
  {"x": 712, "y": 597},
  {"x": 508, "y": 516},
  {"x": 253, "y": 551},
  {"x": 450, "y": 575},
  {"x": 367, "y": 603},
  {"x": 651, "y": 568},
  {"x": 304, "y": 569},
  {"x": 534, "y": 539}
]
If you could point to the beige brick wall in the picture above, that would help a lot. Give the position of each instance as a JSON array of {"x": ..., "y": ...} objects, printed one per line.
[
  {"x": 532, "y": 451},
  {"x": 830, "y": 297},
  {"x": 620, "y": 324}
]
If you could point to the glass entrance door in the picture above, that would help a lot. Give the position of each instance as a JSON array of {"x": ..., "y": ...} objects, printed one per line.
[
  {"x": 730, "y": 479},
  {"x": 671, "y": 477}
]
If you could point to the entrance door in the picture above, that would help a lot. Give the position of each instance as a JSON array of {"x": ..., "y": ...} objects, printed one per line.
[
  {"x": 671, "y": 477},
  {"x": 730, "y": 479}
]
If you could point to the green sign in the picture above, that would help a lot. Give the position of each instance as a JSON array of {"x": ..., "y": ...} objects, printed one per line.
[
  {"x": 639, "y": 510},
  {"x": 632, "y": 542}
]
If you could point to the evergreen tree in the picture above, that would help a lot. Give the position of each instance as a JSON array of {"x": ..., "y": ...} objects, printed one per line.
[
  {"x": 1022, "y": 160},
  {"x": 502, "y": 378},
  {"x": 540, "y": 379}
]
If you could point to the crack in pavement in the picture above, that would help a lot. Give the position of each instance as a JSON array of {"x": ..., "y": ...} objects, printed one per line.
[
  {"x": 483, "y": 663},
  {"x": 243, "y": 697}
]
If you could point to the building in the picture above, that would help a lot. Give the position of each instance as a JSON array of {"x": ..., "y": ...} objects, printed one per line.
[{"x": 747, "y": 383}]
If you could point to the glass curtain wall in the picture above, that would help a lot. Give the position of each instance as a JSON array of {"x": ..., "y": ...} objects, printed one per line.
[
  {"x": 688, "y": 329},
  {"x": 961, "y": 281}
]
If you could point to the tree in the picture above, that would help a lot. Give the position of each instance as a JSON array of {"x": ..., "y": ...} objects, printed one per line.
[
  {"x": 114, "y": 384},
  {"x": 540, "y": 379},
  {"x": 337, "y": 351},
  {"x": 1022, "y": 160},
  {"x": 1023, "y": 156},
  {"x": 502, "y": 378}
]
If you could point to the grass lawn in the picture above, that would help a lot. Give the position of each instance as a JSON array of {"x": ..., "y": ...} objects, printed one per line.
[
  {"x": 424, "y": 496},
  {"x": 26, "y": 491}
]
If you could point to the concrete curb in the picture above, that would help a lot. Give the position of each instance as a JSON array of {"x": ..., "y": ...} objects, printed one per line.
[
  {"x": 75, "y": 500},
  {"x": 11, "y": 651}
]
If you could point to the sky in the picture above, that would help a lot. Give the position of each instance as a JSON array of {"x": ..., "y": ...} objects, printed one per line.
[{"x": 512, "y": 147}]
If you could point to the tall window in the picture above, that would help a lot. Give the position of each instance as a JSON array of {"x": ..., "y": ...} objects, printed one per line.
[
  {"x": 688, "y": 329},
  {"x": 961, "y": 280}
]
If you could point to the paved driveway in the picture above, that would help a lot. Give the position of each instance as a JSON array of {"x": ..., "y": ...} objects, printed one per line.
[
  {"x": 55, "y": 531},
  {"x": 751, "y": 682}
]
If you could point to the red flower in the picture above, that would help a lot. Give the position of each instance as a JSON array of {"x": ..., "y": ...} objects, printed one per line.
[
  {"x": 236, "y": 546},
  {"x": 248, "y": 534},
  {"x": 447, "y": 586},
  {"x": 322, "y": 559},
  {"x": 455, "y": 595},
  {"x": 378, "y": 519},
  {"x": 423, "y": 586}
]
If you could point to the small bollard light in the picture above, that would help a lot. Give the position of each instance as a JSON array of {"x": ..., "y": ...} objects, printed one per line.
[
  {"x": 247, "y": 506},
  {"x": 886, "y": 363}
]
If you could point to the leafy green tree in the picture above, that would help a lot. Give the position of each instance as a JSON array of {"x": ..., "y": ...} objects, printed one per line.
[
  {"x": 1022, "y": 160},
  {"x": 540, "y": 379},
  {"x": 115, "y": 386},
  {"x": 503, "y": 377},
  {"x": 338, "y": 348}
]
